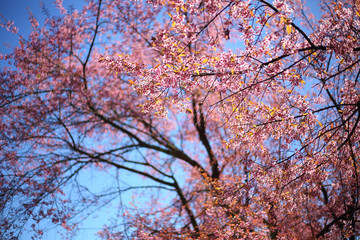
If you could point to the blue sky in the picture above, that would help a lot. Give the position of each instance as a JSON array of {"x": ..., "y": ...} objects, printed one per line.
[{"x": 17, "y": 10}]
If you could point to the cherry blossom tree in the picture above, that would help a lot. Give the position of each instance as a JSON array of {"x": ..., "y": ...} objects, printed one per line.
[{"x": 241, "y": 117}]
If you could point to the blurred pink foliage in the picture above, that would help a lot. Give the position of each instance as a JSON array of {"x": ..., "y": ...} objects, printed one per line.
[{"x": 257, "y": 142}]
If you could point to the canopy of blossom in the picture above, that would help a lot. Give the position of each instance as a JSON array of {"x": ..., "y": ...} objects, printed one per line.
[{"x": 257, "y": 142}]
